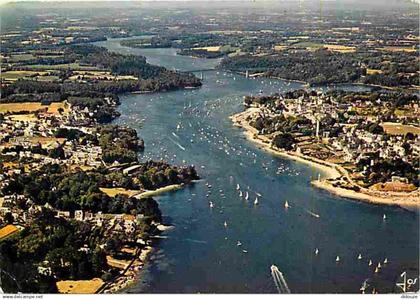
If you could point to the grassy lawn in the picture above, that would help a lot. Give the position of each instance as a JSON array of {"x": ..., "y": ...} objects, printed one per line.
[
  {"x": 79, "y": 286},
  {"x": 112, "y": 192}
]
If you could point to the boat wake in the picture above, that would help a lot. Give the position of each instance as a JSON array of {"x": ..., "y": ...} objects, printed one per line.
[{"x": 177, "y": 144}]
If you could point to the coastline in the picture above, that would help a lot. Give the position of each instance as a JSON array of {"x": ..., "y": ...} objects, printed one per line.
[
  {"x": 307, "y": 84},
  {"x": 132, "y": 273},
  {"x": 159, "y": 191},
  {"x": 409, "y": 201}
]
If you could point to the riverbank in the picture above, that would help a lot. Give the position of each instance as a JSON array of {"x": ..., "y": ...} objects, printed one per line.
[
  {"x": 159, "y": 191},
  {"x": 308, "y": 85},
  {"x": 332, "y": 172},
  {"x": 130, "y": 274}
]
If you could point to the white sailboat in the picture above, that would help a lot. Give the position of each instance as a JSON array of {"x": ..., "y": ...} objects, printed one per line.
[
  {"x": 238, "y": 187},
  {"x": 370, "y": 263},
  {"x": 385, "y": 261},
  {"x": 256, "y": 201},
  {"x": 379, "y": 265},
  {"x": 286, "y": 205},
  {"x": 239, "y": 243},
  {"x": 225, "y": 224},
  {"x": 211, "y": 205},
  {"x": 240, "y": 193},
  {"x": 360, "y": 256},
  {"x": 246, "y": 195},
  {"x": 384, "y": 217},
  {"x": 316, "y": 251},
  {"x": 337, "y": 259}
]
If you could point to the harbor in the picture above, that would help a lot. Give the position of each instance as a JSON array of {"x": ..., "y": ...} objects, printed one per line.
[{"x": 225, "y": 242}]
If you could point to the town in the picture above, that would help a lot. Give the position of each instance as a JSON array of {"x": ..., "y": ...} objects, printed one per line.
[{"x": 370, "y": 139}]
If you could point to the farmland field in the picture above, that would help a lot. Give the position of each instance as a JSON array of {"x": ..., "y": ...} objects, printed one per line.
[
  {"x": 21, "y": 57},
  {"x": 340, "y": 48},
  {"x": 79, "y": 286},
  {"x": 373, "y": 71},
  {"x": 8, "y": 230},
  {"x": 32, "y": 107},
  {"x": 209, "y": 49},
  {"x": 15, "y": 75},
  {"x": 71, "y": 66},
  {"x": 397, "y": 49}
]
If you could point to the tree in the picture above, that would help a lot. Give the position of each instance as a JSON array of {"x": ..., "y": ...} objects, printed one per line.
[
  {"x": 284, "y": 141},
  {"x": 8, "y": 218}
]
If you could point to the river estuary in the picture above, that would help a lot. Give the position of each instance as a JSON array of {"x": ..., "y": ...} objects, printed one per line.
[{"x": 201, "y": 253}]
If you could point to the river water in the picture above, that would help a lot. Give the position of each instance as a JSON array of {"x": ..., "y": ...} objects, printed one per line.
[{"x": 201, "y": 254}]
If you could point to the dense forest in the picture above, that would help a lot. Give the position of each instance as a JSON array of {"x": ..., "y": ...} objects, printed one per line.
[
  {"x": 324, "y": 67},
  {"x": 150, "y": 77}
]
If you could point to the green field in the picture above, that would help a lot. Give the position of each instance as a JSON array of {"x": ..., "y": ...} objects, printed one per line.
[
  {"x": 15, "y": 75},
  {"x": 71, "y": 66},
  {"x": 21, "y": 57}
]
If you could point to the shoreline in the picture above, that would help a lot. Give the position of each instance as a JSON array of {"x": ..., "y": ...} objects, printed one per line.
[
  {"x": 409, "y": 201},
  {"x": 308, "y": 85},
  {"x": 132, "y": 273},
  {"x": 159, "y": 191}
]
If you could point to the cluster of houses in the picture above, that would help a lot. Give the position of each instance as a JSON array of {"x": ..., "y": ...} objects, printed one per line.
[
  {"x": 354, "y": 141},
  {"x": 24, "y": 146}
]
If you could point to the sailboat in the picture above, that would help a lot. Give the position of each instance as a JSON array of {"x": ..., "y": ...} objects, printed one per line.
[
  {"x": 240, "y": 193},
  {"x": 384, "y": 217},
  {"x": 239, "y": 243},
  {"x": 225, "y": 224},
  {"x": 238, "y": 187},
  {"x": 360, "y": 256},
  {"x": 370, "y": 263},
  {"x": 256, "y": 201},
  {"x": 379, "y": 265},
  {"x": 316, "y": 251},
  {"x": 337, "y": 259},
  {"x": 246, "y": 196},
  {"x": 211, "y": 205},
  {"x": 385, "y": 261},
  {"x": 286, "y": 205},
  {"x": 376, "y": 270}
]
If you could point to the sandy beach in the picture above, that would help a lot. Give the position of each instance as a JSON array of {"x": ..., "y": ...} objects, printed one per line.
[
  {"x": 406, "y": 200},
  {"x": 129, "y": 274},
  {"x": 159, "y": 191}
]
